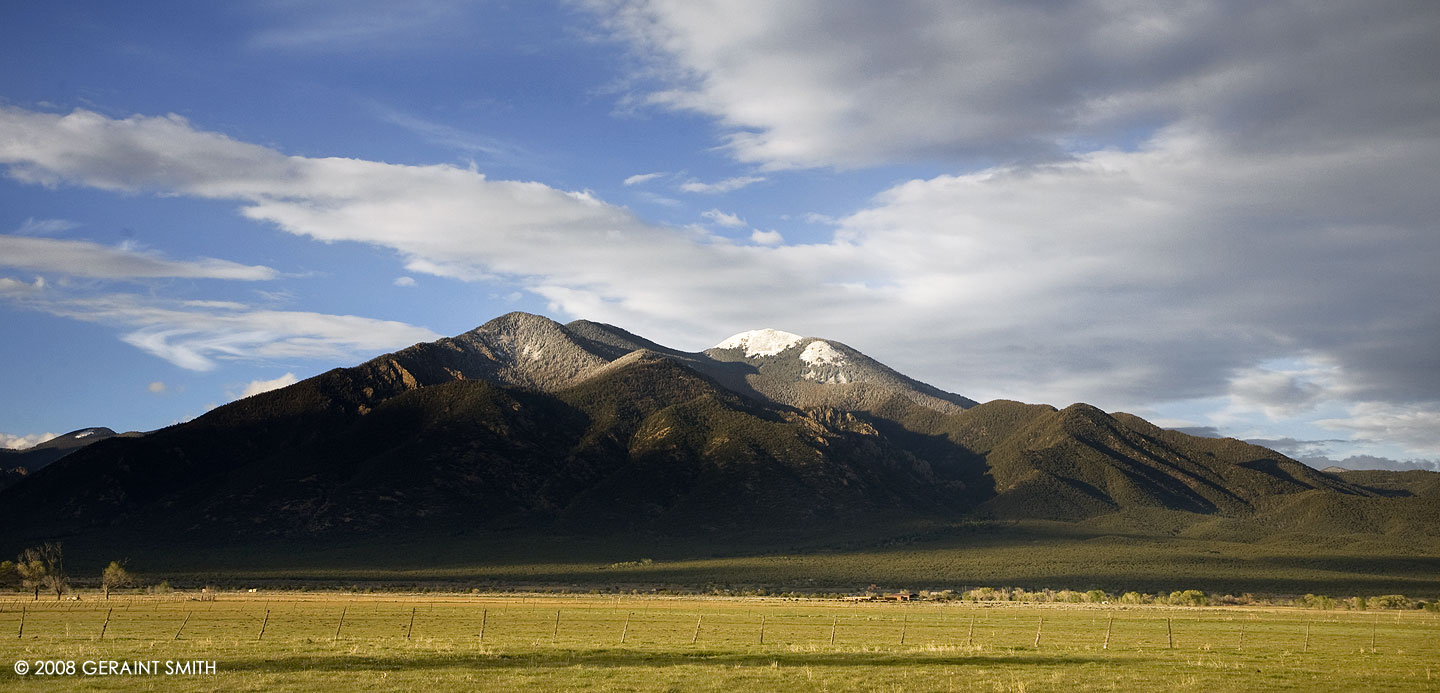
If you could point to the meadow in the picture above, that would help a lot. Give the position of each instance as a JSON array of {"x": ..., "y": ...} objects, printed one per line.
[{"x": 341, "y": 641}]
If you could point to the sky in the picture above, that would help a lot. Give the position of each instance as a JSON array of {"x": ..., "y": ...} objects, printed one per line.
[{"x": 1221, "y": 216}]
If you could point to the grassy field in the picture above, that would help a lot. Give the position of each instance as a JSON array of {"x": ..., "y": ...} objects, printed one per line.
[
  {"x": 602, "y": 643},
  {"x": 1031, "y": 555}
]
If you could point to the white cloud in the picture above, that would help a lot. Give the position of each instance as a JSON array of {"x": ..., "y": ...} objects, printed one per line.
[
  {"x": 1415, "y": 428},
  {"x": 86, "y": 259},
  {"x": 258, "y": 386},
  {"x": 771, "y": 237},
  {"x": 14, "y": 288},
  {"x": 723, "y": 219},
  {"x": 11, "y": 441},
  {"x": 849, "y": 83},
  {"x": 40, "y": 227},
  {"x": 156, "y": 387},
  {"x": 641, "y": 178},
  {"x": 1283, "y": 393},
  {"x": 720, "y": 186},
  {"x": 405, "y": 281}
]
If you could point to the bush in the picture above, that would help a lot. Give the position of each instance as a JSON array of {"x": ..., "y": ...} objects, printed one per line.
[
  {"x": 1316, "y": 601},
  {"x": 1188, "y": 598},
  {"x": 985, "y": 594},
  {"x": 1391, "y": 601},
  {"x": 1134, "y": 598},
  {"x": 1097, "y": 596}
]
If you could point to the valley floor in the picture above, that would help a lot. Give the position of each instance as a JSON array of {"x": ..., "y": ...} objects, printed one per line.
[{"x": 435, "y": 642}]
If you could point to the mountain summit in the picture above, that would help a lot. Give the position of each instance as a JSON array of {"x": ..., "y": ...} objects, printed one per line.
[{"x": 524, "y": 424}]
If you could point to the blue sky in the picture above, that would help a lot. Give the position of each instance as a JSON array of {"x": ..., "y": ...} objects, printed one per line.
[{"x": 1213, "y": 215}]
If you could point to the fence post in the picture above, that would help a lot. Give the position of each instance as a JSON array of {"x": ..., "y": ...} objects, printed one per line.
[
  {"x": 1169, "y": 632},
  {"x": 21, "y": 634},
  {"x": 264, "y": 623},
  {"x": 106, "y": 625},
  {"x": 696, "y": 636},
  {"x": 340, "y": 624},
  {"x": 1110, "y": 623},
  {"x": 1038, "y": 628},
  {"x": 555, "y": 634},
  {"x": 410, "y": 627},
  {"x": 182, "y": 625},
  {"x": 1241, "y": 646},
  {"x": 1306, "y": 648},
  {"x": 483, "y": 614},
  {"x": 626, "y": 630},
  {"x": 1373, "y": 625},
  {"x": 834, "y": 622},
  {"x": 762, "y": 629},
  {"x": 905, "y": 624},
  {"x": 970, "y": 637}
]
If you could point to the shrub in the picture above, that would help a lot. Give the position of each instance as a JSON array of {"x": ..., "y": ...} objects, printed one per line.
[
  {"x": 1097, "y": 596},
  {"x": 1316, "y": 601},
  {"x": 984, "y": 594},
  {"x": 1188, "y": 598},
  {"x": 1391, "y": 601}
]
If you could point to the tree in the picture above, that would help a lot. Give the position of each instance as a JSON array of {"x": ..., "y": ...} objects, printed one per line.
[
  {"x": 115, "y": 575},
  {"x": 8, "y": 576},
  {"x": 44, "y": 566},
  {"x": 31, "y": 572}
]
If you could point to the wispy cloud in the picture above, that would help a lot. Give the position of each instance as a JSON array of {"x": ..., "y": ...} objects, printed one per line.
[
  {"x": 358, "y": 25},
  {"x": 195, "y": 335},
  {"x": 491, "y": 148},
  {"x": 642, "y": 178},
  {"x": 42, "y": 227},
  {"x": 86, "y": 259},
  {"x": 720, "y": 186}
]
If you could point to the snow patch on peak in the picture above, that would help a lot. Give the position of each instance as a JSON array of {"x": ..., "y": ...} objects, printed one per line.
[
  {"x": 818, "y": 352},
  {"x": 766, "y": 342},
  {"x": 84, "y": 434}
]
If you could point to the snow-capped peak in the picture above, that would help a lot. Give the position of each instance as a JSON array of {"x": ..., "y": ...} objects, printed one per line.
[
  {"x": 766, "y": 342},
  {"x": 818, "y": 352}
]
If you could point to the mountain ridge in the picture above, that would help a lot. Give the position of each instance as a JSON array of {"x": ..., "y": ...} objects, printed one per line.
[{"x": 527, "y": 424}]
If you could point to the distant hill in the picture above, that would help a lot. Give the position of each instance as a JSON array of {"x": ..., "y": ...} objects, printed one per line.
[
  {"x": 34, "y": 458},
  {"x": 524, "y": 425}
]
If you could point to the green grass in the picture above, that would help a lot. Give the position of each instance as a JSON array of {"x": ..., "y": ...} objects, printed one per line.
[{"x": 523, "y": 649}]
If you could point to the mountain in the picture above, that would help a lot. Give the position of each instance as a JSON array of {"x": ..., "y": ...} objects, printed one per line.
[
  {"x": 527, "y": 425},
  {"x": 33, "y": 458}
]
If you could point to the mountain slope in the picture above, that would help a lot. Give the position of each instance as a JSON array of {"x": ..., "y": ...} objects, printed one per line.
[{"x": 527, "y": 425}]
